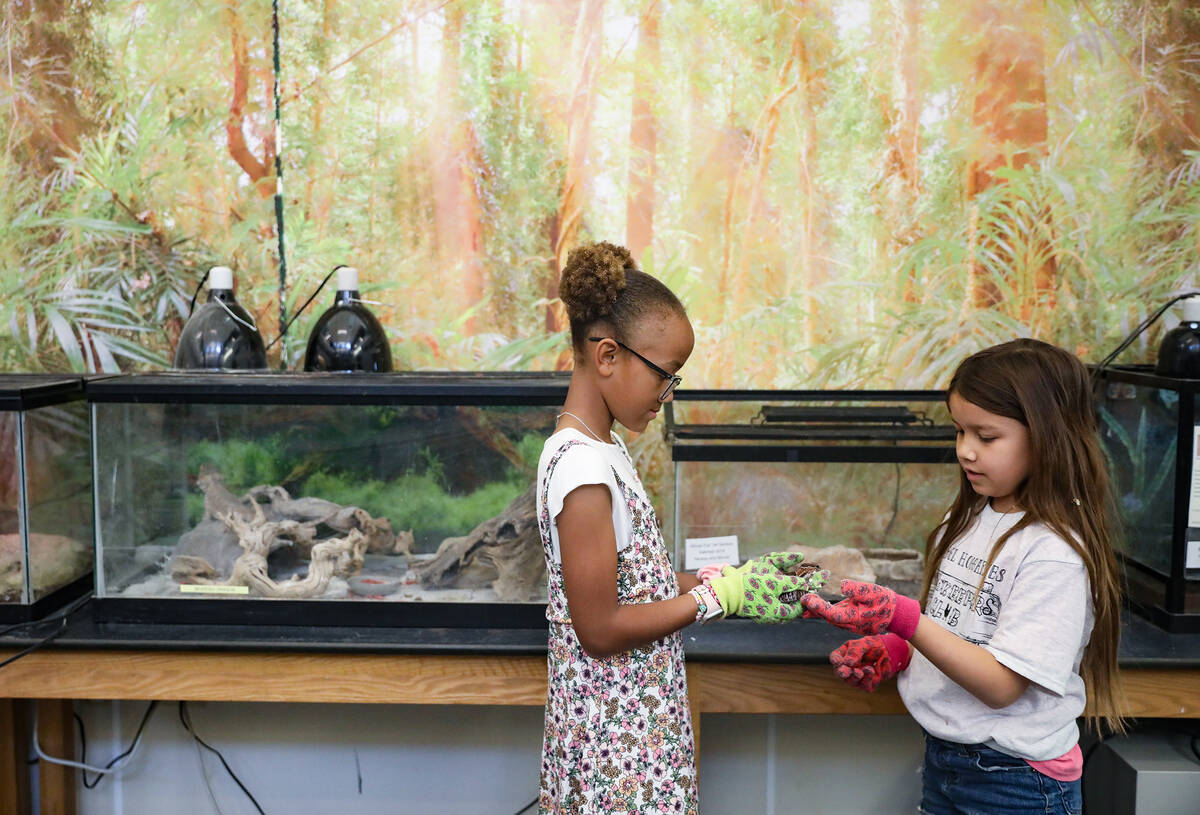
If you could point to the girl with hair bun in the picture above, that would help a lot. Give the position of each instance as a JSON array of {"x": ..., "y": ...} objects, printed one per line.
[{"x": 618, "y": 734}]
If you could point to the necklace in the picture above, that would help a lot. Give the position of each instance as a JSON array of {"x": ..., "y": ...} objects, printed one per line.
[
  {"x": 582, "y": 422},
  {"x": 999, "y": 521}
]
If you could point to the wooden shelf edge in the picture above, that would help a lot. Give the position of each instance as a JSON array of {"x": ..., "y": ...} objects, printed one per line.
[{"x": 715, "y": 687}]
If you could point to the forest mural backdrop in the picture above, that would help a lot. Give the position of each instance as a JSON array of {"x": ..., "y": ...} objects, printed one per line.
[{"x": 845, "y": 193}]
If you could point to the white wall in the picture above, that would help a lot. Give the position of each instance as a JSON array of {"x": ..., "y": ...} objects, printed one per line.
[{"x": 416, "y": 759}]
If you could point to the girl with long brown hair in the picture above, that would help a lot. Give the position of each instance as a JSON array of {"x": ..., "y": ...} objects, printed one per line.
[{"x": 1021, "y": 595}]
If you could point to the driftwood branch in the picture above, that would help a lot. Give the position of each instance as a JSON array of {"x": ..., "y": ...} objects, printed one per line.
[
  {"x": 258, "y": 537},
  {"x": 504, "y": 552},
  {"x": 232, "y": 545}
]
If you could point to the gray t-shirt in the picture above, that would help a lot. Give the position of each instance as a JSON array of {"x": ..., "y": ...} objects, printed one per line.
[{"x": 1034, "y": 614}]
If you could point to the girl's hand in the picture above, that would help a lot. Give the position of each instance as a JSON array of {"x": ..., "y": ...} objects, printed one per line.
[
  {"x": 783, "y": 561},
  {"x": 759, "y": 594},
  {"x": 867, "y": 661},
  {"x": 868, "y": 609},
  {"x": 789, "y": 563}
]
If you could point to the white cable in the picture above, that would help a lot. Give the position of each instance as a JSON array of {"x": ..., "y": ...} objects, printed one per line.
[
  {"x": 221, "y": 303},
  {"x": 120, "y": 765}
]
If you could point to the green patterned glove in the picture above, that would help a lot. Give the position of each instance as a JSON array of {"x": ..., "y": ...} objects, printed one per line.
[
  {"x": 786, "y": 562},
  {"x": 758, "y": 593},
  {"x": 789, "y": 563}
]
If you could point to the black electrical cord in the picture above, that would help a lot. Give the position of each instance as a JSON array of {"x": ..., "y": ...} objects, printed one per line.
[
  {"x": 1133, "y": 335},
  {"x": 299, "y": 311},
  {"x": 196, "y": 293},
  {"x": 527, "y": 807},
  {"x": 61, "y": 618},
  {"x": 35, "y": 646},
  {"x": 186, "y": 719},
  {"x": 70, "y": 609},
  {"x": 279, "y": 178},
  {"x": 91, "y": 784}
]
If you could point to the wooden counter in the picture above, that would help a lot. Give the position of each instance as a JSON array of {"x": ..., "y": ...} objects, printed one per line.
[
  {"x": 734, "y": 667},
  {"x": 58, "y": 677},
  {"x": 244, "y": 676}
]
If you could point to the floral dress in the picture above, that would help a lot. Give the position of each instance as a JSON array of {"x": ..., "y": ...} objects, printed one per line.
[{"x": 618, "y": 735}]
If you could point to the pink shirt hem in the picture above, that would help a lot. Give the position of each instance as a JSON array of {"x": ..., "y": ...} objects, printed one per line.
[{"x": 1067, "y": 767}]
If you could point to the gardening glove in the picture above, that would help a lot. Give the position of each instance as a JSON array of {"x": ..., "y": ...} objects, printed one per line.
[
  {"x": 868, "y": 609},
  {"x": 867, "y": 661},
  {"x": 760, "y": 592},
  {"x": 790, "y": 563},
  {"x": 786, "y": 562},
  {"x": 783, "y": 561}
]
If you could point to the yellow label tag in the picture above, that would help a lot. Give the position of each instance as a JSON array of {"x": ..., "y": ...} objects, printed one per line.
[{"x": 189, "y": 588}]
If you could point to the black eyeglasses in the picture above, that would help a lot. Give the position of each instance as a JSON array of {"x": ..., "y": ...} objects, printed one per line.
[{"x": 672, "y": 379}]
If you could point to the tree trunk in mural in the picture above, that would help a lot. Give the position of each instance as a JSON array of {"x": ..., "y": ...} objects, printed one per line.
[
  {"x": 761, "y": 263},
  {"x": 1009, "y": 118},
  {"x": 897, "y": 192},
  {"x": 585, "y": 47},
  {"x": 643, "y": 137},
  {"x": 318, "y": 191},
  {"x": 1171, "y": 93},
  {"x": 810, "y": 264},
  {"x": 458, "y": 222},
  {"x": 261, "y": 171},
  {"x": 718, "y": 149},
  {"x": 45, "y": 97}
]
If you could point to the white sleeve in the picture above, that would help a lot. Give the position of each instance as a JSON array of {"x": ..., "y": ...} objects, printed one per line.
[
  {"x": 1043, "y": 624},
  {"x": 580, "y": 465}
]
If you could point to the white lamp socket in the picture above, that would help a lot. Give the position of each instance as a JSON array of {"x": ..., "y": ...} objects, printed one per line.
[
  {"x": 220, "y": 277},
  {"x": 347, "y": 279}
]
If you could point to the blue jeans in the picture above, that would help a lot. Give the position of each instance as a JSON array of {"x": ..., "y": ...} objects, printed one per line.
[{"x": 970, "y": 779}]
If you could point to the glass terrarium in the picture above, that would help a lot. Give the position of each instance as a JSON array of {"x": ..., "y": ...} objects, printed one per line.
[
  {"x": 348, "y": 499},
  {"x": 1150, "y": 431},
  {"x": 854, "y": 479},
  {"x": 45, "y": 494}
]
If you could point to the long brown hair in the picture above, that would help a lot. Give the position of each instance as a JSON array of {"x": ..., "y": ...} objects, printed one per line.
[{"x": 1049, "y": 391}]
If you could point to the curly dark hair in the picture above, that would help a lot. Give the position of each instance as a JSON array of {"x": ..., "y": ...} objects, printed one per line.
[{"x": 601, "y": 283}]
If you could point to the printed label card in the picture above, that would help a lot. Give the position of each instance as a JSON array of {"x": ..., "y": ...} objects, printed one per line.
[{"x": 699, "y": 552}]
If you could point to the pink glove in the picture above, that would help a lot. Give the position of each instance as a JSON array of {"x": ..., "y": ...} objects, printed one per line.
[
  {"x": 867, "y": 609},
  {"x": 867, "y": 661}
]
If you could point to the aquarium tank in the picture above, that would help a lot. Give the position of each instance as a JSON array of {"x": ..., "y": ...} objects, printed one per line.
[
  {"x": 45, "y": 494},
  {"x": 853, "y": 479},
  {"x": 321, "y": 498},
  {"x": 1150, "y": 433}
]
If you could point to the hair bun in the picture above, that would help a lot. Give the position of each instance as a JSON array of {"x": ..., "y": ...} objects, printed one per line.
[{"x": 592, "y": 279}]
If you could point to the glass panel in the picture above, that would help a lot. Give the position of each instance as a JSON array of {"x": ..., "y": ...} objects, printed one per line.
[
  {"x": 1139, "y": 432},
  {"x": 58, "y": 470},
  {"x": 865, "y": 507},
  {"x": 776, "y": 475},
  {"x": 12, "y": 546},
  {"x": 320, "y": 502}
]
